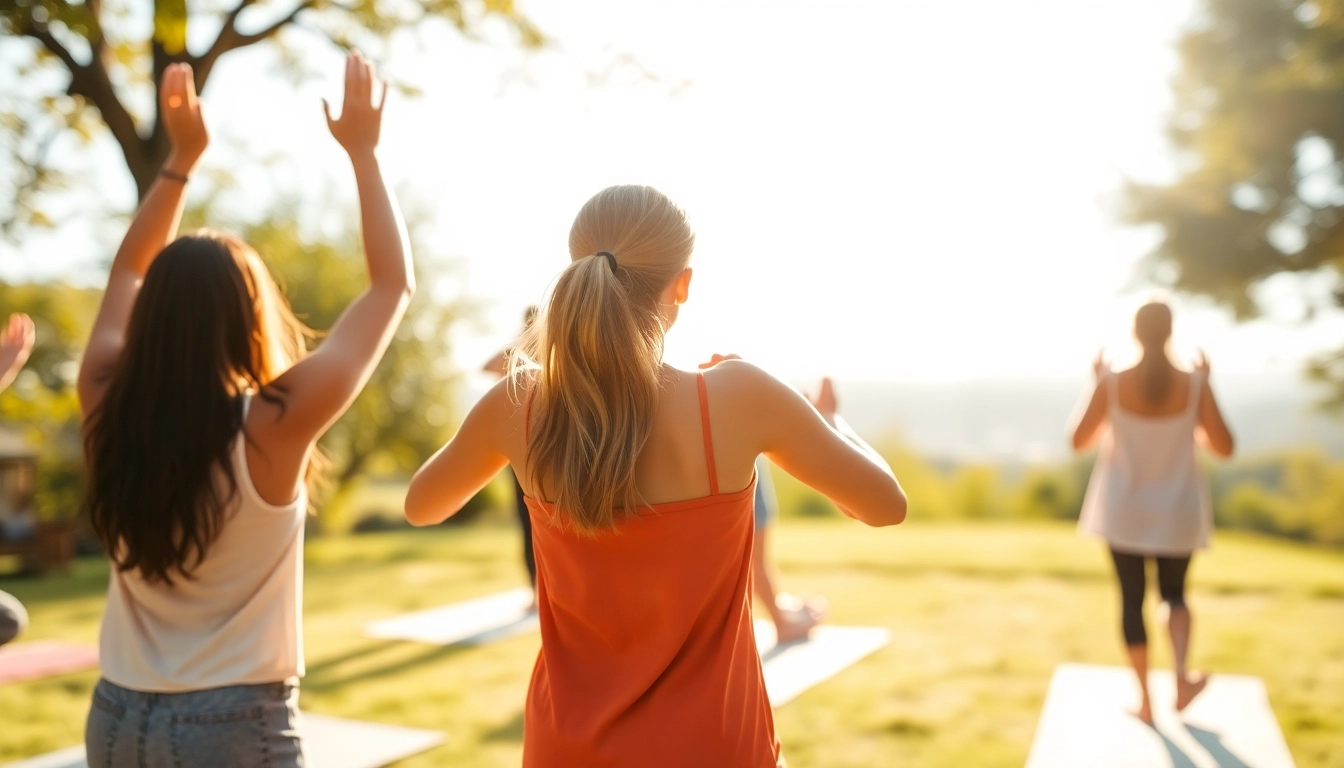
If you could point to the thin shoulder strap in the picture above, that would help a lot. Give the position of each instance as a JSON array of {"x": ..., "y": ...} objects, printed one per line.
[{"x": 709, "y": 438}]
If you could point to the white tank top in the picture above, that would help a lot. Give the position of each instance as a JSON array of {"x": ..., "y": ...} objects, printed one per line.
[
  {"x": 237, "y": 621},
  {"x": 1147, "y": 494}
]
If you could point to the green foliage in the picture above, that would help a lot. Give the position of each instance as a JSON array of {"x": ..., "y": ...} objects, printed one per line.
[
  {"x": 979, "y": 613},
  {"x": 403, "y": 415},
  {"x": 81, "y": 68},
  {"x": 42, "y": 405},
  {"x": 1259, "y": 128},
  {"x": 1296, "y": 495}
]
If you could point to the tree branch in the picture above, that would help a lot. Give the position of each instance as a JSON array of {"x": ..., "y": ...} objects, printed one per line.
[
  {"x": 49, "y": 41},
  {"x": 230, "y": 39}
]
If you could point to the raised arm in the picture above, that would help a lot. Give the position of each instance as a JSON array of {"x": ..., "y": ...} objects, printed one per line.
[
  {"x": 318, "y": 389},
  {"x": 1088, "y": 424},
  {"x": 1212, "y": 431},
  {"x": 154, "y": 226},
  {"x": 16, "y": 343},
  {"x": 811, "y": 441}
]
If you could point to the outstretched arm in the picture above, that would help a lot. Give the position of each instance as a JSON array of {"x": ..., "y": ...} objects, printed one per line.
[
  {"x": 154, "y": 226},
  {"x": 16, "y": 343},
  {"x": 1212, "y": 430},
  {"x": 808, "y": 438},
  {"x": 318, "y": 389},
  {"x": 1087, "y": 427}
]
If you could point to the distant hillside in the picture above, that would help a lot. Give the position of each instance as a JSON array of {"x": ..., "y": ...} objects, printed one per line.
[
  {"x": 1022, "y": 420},
  {"x": 1017, "y": 420}
]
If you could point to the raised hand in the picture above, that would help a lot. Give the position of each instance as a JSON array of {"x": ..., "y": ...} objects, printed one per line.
[
  {"x": 180, "y": 112},
  {"x": 361, "y": 120},
  {"x": 825, "y": 400},
  {"x": 717, "y": 358},
  {"x": 1202, "y": 364},
  {"x": 16, "y": 343},
  {"x": 1100, "y": 366}
]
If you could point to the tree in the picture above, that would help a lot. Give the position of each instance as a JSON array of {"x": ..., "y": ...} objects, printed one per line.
[
  {"x": 79, "y": 67},
  {"x": 1259, "y": 134},
  {"x": 403, "y": 415}
]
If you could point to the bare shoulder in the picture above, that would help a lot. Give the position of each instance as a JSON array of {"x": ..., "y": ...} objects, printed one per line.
[{"x": 739, "y": 379}]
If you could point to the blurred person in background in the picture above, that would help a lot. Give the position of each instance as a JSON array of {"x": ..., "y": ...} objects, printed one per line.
[{"x": 1147, "y": 498}]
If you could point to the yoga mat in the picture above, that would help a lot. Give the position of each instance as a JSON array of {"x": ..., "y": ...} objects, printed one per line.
[
  {"x": 1085, "y": 722},
  {"x": 789, "y": 669},
  {"x": 792, "y": 668},
  {"x": 473, "y": 622},
  {"x": 328, "y": 742},
  {"x": 43, "y": 658}
]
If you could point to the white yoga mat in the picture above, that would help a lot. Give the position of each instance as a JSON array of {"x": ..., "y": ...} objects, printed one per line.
[
  {"x": 473, "y": 622},
  {"x": 328, "y": 742},
  {"x": 1085, "y": 722},
  {"x": 794, "y": 667},
  {"x": 789, "y": 669}
]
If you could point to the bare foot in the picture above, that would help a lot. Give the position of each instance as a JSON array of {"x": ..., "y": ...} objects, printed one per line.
[
  {"x": 794, "y": 625},
  {"x": 1189, "y": 688},
  {"x": 1144, "y": 713}
]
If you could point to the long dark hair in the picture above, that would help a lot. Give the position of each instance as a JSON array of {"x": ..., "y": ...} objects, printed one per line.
[
  {"x": 208, "y": 326},
  {"x": 1152, "y": 328}
]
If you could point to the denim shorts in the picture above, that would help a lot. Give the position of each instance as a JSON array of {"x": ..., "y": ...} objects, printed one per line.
[{"x": 238, "y": 726}]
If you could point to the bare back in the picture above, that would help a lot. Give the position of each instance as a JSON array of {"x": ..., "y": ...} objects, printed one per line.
[
  {"x": 1134, "y": 400},
  {"x": 750, "y": 413}
]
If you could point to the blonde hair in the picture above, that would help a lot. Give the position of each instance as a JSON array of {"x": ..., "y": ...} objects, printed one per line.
[{"x": 596, "y": 353}]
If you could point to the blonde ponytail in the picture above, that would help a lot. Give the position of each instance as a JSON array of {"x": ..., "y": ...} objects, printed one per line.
[{"x": 597, "y": 352}]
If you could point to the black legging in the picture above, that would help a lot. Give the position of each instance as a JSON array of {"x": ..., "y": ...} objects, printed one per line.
[
  {"x": 525, "y": 522},
  {"x": 1170, "y": 584}
]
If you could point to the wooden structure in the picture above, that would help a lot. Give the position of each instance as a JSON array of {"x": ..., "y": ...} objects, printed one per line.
[{"x": 42, "y": 544}]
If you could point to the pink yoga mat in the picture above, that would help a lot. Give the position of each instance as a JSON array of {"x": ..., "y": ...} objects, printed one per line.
[{"x": 42, "y": 658}]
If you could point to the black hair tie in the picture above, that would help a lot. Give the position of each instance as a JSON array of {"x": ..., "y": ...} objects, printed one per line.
[{"x": 611, "y": 260}]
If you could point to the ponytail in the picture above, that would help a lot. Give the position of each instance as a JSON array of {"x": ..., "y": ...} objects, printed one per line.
[
  {"x": 597, "y": 352},
  {"x": 1152, "y": 329}
]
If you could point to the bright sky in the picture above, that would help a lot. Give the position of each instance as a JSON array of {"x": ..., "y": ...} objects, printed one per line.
[{"x": 881, "y": 190}]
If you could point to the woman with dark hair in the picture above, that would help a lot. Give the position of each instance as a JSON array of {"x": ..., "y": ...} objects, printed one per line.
[
  {"x": 1147, "y": 498},
  {"x": 639, "y": 480},
  {"x": 202, "y": 413}
]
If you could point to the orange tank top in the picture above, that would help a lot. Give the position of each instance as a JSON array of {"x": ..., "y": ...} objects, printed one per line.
[{"x": 648, "y": 657}]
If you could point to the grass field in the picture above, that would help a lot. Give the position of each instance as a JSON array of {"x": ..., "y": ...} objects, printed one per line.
[{"x": 979, "y": 614}]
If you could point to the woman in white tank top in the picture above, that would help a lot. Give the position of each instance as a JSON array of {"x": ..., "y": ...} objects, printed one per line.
[
  {"x": 202, "y": 410},
  {"x": 1148, "y": 497}
]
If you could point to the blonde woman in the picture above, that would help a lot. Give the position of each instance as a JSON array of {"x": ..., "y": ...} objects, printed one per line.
[
  {"x": 639, "y": 479},
  {"x": 1147, "y": 498}
]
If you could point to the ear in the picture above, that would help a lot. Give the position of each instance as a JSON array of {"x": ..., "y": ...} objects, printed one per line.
[{"x": 682, "y": 285}]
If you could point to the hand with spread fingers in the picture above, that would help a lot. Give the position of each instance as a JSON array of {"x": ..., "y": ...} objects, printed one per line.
[
  {"x": 16, "y": 343},
  {"x": 1101, "y": 366},
  {"x": 180, "y": 112},
  {"x": 360, "y": 123},
  {"x": 825, "y": 400},
  {"x": 1202, "y": 364}
]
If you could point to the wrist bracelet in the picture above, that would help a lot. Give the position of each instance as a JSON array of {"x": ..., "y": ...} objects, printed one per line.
[{"x": 167, "y": 174}]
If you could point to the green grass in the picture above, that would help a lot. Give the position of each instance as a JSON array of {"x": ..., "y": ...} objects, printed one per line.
[{"x": 979, "y": 613}]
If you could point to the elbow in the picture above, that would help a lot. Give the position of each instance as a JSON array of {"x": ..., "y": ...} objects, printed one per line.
[
  {"x": 892, "y": 510},
  {"x": 1227, "y": 448},
  {"x": 1079, "y": 441},
  {"x": 421, "y": 511}
]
